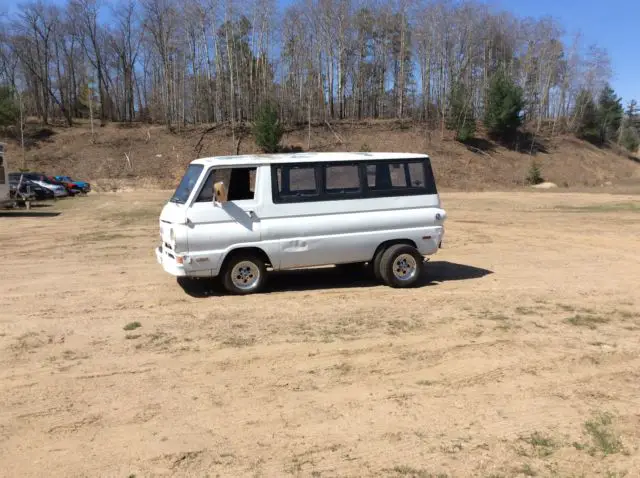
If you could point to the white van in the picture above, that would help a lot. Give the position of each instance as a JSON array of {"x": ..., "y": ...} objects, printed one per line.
[{"x": 237, "y": 216}]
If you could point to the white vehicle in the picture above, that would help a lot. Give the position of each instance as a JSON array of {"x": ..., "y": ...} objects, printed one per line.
[
  {"x": 236, "y": 216},
  {"x": 5, "y": 197}
]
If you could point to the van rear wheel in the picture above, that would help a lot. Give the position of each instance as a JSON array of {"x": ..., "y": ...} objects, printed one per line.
[
  {"x": 401, "y": 266},
  {"x": 244, "y": 274}
]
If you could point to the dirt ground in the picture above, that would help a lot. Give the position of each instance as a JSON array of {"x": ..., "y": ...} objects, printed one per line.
[{"x": 518, "y": 357}]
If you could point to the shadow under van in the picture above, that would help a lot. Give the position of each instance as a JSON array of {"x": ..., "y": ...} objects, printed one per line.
[{"x": 299, "y": 280}]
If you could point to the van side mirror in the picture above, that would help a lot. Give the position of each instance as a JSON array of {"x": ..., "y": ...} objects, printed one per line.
[{"x": 219, "y": 193}]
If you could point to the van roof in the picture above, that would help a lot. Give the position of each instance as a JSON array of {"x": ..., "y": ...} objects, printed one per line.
[{"x": 301, "y": 158}]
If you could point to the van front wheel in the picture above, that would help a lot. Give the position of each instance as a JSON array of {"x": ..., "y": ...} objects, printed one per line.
[
  {"x": 244, "y": 274},
  {"x": 401, "y": 266}
]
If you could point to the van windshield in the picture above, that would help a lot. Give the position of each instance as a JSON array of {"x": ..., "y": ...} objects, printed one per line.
[{"x": 187, "y": 183}]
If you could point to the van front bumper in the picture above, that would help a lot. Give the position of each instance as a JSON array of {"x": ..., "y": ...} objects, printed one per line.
[{"x": 169, "y": 263}]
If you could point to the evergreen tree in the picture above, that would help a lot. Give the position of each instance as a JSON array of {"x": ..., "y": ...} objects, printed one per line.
[
  {"x": 461, "y": 118},
  {"x": 610, "y": 113},
  {"x": 586, "y": 117},
  {"x": 504, "y": 105},
  {"x": 9, "y": 110},
  {"x": 630, "y": 136},
  {"x": 632, "y": 110},
  {"x": 267, "y": 128}
]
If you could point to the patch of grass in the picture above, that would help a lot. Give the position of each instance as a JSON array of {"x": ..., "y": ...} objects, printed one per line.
[
  {"x": 132, "y": 326},
  {"x": 451, "y": 447},
  {"x": 566, "y": 307},
  {"x": 526, "y": 311},
  {"x": 343, "y": 367},
  {"x": 603, "y": 437},
  {"x": 132, "y": 336},
  {"x": 526, "y": 470},
  {"x": 543, "y": 446},
  {"x": 398, "y": 325},
  {"x": 616, "y": 474},
  {"x": 585, "y": 320},
  {"x": 406, "y": 470},
  {"x": 425, "y": 383},
  {"x": 239, "y": 341}
]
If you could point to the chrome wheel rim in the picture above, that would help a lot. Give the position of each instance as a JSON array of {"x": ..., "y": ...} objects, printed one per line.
[
  {"x": 245, "y": 275},
  {"x": 405, "y": 267}
]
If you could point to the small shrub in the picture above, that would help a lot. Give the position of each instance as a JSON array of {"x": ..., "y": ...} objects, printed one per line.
[
  {"x": 365, "y": 148},
  {"x": 132, "y": 326},
  {"x": 267, "y": 129},
  {"x": 603, "y": 437},
  {"x": 466, "y": 132},
  {"x": 630, "y": 138},
  {"x": 535, "y": 174}
]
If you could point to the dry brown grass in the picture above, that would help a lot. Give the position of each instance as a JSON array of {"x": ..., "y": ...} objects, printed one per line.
[{"x": 159, "y": 158}]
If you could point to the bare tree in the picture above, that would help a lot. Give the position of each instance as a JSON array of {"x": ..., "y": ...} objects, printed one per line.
[{"x": 203, "y": 61}]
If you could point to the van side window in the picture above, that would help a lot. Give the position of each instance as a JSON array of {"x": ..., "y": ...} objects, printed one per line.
[
  {"x": 295, "y": 183},
  {"x": 240, "y": 183},
  {"x": 341, "y": 179}
]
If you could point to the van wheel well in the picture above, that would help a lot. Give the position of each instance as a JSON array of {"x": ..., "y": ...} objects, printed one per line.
[
  {"x": 250, "y": 251},
  {"x": 387, "y": 244}
]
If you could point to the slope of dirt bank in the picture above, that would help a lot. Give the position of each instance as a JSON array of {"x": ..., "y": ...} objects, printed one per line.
[{"x": 150, "y": 155}]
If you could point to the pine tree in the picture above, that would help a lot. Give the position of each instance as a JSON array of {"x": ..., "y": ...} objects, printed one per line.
[
  {"x": 9, "y": 110},
  {"x": 267, "y": 129},
  {"x": 610, "y": 113},
  {"x": 461, "y": 118},
  {"x": 632, "y": 110},
  {"x": 504, "y": 105},
  {"x": 630, "y": 136},
  {"x": 586, "y": 117}
]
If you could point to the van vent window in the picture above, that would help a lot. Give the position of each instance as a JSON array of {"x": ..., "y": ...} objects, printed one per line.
[{"x": 416, "y": 174}]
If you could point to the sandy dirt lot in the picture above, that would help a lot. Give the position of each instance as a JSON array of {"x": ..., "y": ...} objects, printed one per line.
[{"x": 520, "y": 356}]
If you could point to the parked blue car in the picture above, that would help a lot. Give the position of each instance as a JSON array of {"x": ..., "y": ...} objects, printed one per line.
[{"x": 83, "y": 185}]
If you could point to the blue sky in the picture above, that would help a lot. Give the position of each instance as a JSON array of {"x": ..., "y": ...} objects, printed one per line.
[{"x": 612, "y": 24}]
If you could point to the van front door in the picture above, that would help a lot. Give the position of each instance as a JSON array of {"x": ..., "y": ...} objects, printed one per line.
[{"x": 214, "y": 228}]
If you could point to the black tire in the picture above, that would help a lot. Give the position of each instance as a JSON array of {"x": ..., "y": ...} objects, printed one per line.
[
  {"x": 253, "y": 264},
  {"x": 375, "y": 264},
  {"x": 388, "y": 263}
]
